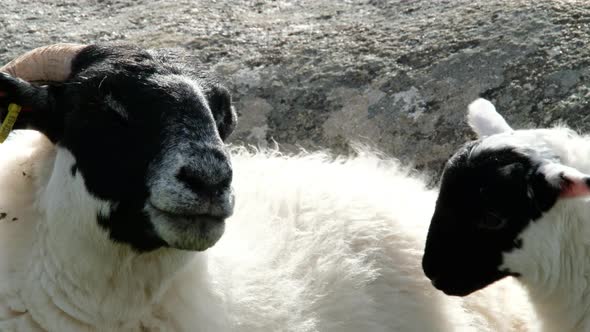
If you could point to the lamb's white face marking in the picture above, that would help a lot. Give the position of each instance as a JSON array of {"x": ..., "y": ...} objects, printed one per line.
[{"x": 534, "y": 259}]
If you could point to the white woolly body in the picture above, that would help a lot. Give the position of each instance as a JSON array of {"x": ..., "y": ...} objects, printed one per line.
[
  {"x": 314, "y": 245},
  {"x": 554, "y": 261}
]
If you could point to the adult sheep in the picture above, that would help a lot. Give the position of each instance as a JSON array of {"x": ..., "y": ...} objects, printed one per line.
[
  {"x": 106, "y": 215},
  {"x": 509, "y": 205}
]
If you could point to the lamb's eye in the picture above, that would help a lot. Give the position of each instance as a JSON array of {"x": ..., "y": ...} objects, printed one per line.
[{"x": 492, "y": 221}]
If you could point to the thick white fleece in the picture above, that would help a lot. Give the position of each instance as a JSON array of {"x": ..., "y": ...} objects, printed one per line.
[
  {"x": 554, "y": 260},
  {"x": 314, "y": 245}
]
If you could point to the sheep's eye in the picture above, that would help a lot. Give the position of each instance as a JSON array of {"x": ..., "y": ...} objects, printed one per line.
[
  {"x": 115, "y": 108},
  {"x": 492, "y": 221}
]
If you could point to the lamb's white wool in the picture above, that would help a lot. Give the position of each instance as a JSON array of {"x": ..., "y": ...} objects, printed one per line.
[
  {"x": 554, "y": 260},
  {"x": 484, "y": 120},
  {"x": 314, "y": 245},
  {"x": 536, "y": 182}
]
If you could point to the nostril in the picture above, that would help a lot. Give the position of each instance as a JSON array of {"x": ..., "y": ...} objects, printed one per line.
[
  {"x": 190, "y": 178},
  {"x": 211, "y": 184}
]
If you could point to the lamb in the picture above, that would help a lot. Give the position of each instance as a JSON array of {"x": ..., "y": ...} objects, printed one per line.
[
  {"x": 113, "y": 210},
  {"x": 513, "y": 203}
]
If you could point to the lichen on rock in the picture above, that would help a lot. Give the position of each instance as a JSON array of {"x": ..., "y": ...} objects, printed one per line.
[{"x": 322, "y": 74}]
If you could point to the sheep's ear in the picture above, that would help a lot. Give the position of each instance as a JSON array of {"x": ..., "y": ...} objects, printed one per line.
[
  {"x": 570, "y": 182},
  {"x": 220, "y": 104},
  {"x": 484, "y": 120},
  {"x": 36, "y": 104}
]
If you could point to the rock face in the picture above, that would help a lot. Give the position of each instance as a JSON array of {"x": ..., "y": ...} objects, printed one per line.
[{"x": 395, "y": 74}]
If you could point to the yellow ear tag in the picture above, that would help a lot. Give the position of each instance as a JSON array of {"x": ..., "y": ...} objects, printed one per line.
[{"x": 6, "y": 127}]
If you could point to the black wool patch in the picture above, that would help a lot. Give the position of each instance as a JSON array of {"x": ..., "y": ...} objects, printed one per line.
[{"x": 486, "y": 199}]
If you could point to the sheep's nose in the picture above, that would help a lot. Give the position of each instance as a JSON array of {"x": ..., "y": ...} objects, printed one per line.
[
  {"x": 209, "y": 178},
  {"x": 193, "y": 181},
  {"x": 205, "y": 183}
]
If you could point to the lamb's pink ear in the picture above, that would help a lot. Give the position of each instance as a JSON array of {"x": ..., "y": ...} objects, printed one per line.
[
  {"x": 572, "y": 183},
  {"x": 484, "y": 120}
]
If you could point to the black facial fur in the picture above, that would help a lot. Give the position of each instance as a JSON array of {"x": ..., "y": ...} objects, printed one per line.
[
  {"x": 486, "y": 199},
  {"x": 113, "y": 151}
]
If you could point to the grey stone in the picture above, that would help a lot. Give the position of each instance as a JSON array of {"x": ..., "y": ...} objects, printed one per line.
[{"x": 394, "y": 74}]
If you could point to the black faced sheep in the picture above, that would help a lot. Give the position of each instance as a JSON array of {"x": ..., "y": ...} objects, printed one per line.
[
  {"x": 105, "y": 216},
  {"x": 514, "y": 203}
]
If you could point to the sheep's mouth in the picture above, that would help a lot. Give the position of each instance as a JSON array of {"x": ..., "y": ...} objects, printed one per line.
[
  {"x": 183, "y": 214},
  {"x": 186, "y": 231}
]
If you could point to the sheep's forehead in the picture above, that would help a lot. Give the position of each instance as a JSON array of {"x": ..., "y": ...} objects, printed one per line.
[
  {"x": 489, "y": 163},
  {"x": 528, "y": 146},
  {"x": 171, "y": 88},
  {"x": 487, "y": 166},
  {"x": 469, "y": 171},
  {"x": 171, "y": 81},
  {"x": 516, "y": 140},
  {"x": 181, "y": 110}
]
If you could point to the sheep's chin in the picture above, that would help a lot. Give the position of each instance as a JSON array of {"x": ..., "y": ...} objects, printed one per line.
[{"x": 195, "y": 233}]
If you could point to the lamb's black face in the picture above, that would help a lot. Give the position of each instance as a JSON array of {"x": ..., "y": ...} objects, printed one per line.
[
  {"x": 487, "y": 198},
  {"x": 146, "y": 138}
]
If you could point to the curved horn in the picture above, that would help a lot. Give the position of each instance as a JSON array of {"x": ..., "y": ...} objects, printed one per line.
[{"x": 47, "y": 63}]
